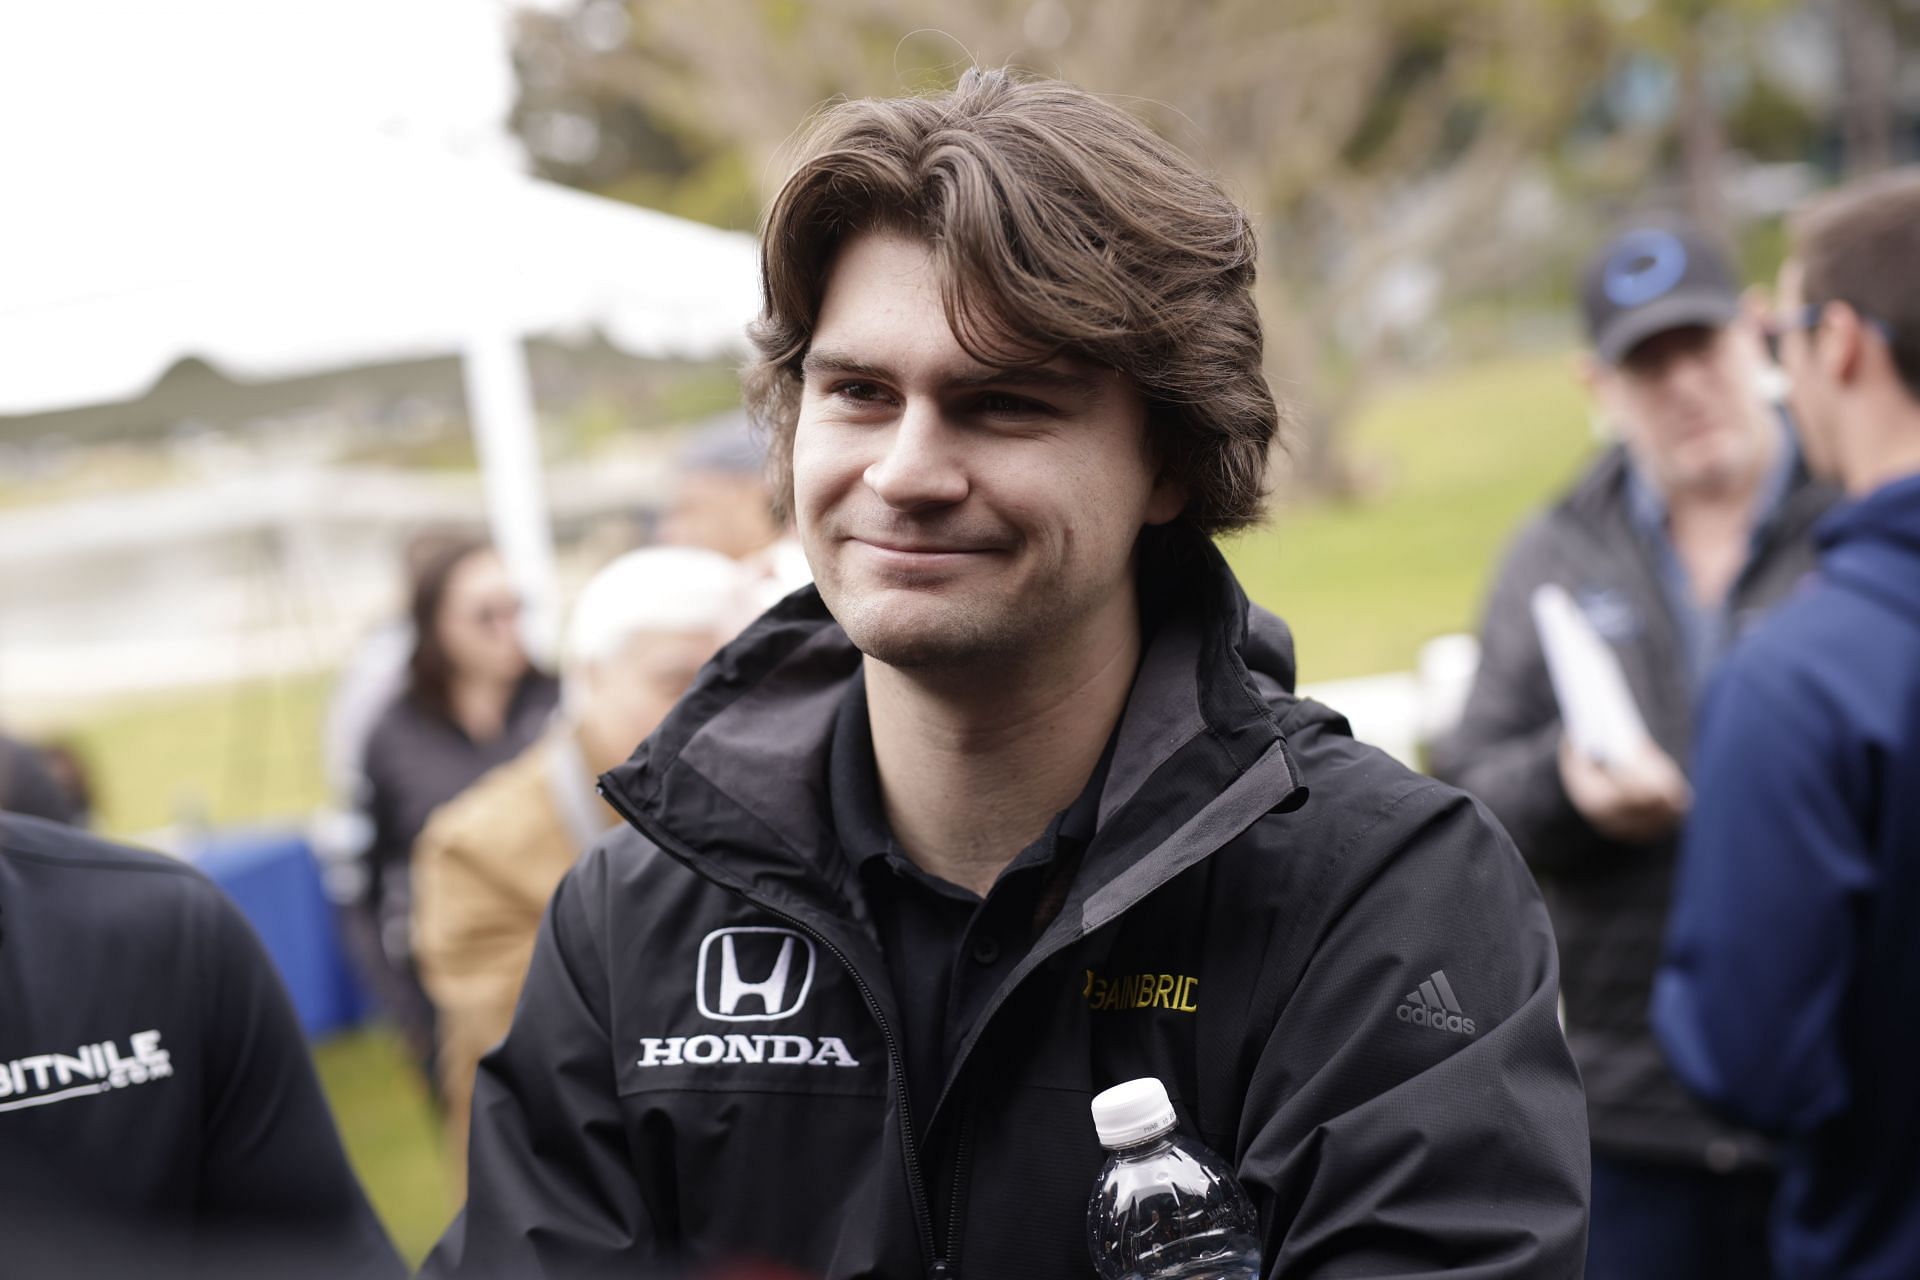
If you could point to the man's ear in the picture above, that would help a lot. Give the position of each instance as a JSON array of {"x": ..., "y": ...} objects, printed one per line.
[
  {"x": 1168, "y": 499},
  {"x": 1588, "y": 370},
  {"x": 1840, "y": 341},
  {"x": 1593, "y": 374}
]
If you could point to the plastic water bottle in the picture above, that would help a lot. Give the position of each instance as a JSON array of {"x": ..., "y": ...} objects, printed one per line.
[{"x": 1165, "y": 1207}]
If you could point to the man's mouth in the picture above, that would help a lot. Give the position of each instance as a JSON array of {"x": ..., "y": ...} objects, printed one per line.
[{"x": 916, "y": 553}]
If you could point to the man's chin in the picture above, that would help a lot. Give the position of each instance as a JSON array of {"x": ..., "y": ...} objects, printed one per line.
[
  {"x": 916, "y": 648},
  {"x": 923, "y": 636},
  {"x": 1718, "y": 469}
]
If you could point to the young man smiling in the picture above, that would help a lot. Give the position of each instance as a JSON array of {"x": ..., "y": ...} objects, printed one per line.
[{"x": 841, "y": 996}]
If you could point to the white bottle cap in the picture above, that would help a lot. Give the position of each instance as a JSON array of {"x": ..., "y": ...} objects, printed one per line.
[{"x": 1132, "y": 1112}]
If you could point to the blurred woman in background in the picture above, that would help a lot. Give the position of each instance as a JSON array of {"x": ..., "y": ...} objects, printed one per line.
[{"x": 473, "y": 700}]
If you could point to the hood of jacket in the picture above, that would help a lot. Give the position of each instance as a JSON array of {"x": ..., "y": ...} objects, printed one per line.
[{"x": 1873, "y": 545}]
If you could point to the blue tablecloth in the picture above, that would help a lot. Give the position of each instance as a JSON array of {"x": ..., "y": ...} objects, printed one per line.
[{"x": 272, "y": 876}]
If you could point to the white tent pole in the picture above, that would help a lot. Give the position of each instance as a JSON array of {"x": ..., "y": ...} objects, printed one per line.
[{"x": 506, "y": 435}]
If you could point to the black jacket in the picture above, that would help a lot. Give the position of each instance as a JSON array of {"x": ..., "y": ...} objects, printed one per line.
[
  {"x": 417, "y": 759},
  {"x": 1276, "y": 957},
  {"x": 1608, "y": 899},
  {"x": 159, "y": 1115}
]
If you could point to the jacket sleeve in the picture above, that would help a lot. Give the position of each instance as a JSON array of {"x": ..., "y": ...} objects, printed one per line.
[
  {"x": 460, "y": 931},
  {"x": 276, "y": 1194},
  {"x": 1760, "y": 941},
  {"x": 1505, "y": 750},
  {"x": 1414, "y": 1110},
  {"x": 551, "y": 1189}
]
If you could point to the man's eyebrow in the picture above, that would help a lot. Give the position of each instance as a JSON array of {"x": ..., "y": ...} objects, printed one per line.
[
  {"x": 819, "y": 363},
  {"x": 1038, "y": 377}
]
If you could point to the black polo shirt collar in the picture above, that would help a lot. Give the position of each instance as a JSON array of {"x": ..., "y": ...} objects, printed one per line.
[
  {"x": 860, "y": 817},
  {"x": 947, "y": 949}
]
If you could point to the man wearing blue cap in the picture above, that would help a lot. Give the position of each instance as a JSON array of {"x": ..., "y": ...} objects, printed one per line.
[{"x": 1695, "y": 521}]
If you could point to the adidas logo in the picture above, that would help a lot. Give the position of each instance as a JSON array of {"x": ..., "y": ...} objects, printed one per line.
[{"x": 1433, "y": 1006}]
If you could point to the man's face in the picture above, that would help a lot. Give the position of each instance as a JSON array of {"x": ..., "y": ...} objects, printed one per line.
[
  {"x": 955, "y": 513},
  {"x": 630, "y": 693},
  {"x": 1807, "y": 390},
  {"x": 720, "y": 511},
  {"x": 1688, "y": 406}
]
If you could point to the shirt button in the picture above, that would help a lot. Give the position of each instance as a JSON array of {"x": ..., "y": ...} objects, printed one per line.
[{"x": 985, "y": 951}]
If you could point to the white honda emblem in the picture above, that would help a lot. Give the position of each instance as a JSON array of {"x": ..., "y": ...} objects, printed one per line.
[{"x": 764, "y": 970}]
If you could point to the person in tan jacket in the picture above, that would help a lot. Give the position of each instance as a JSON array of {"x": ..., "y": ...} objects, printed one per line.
[{"x": 487, "y": 861}]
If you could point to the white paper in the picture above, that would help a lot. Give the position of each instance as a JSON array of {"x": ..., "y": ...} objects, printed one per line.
[{"x": 1596, "y": 708}]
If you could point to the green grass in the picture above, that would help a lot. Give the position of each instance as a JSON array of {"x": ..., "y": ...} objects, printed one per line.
[
  {"x": 392, "y": 1134},
  {"x": 1461, "y": 460},
  {"x": 246, "y": 753}
]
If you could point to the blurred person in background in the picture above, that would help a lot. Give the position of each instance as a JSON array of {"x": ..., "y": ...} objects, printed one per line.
[
  {"x": 472, "y": 701},
  {"x": 1791, "y": 986},
  {"x": 1018, "y": 802},
  {"x": 487, "y": 862},
  {"x": 159, "y": 1115},
  {"x": 1694, "y": 523},
  {"x": 723, "y": 501},
  {"x": 67, "y": 762},
  {"x": 374, "y": 674},
  {"x": 31, "y": 785}
]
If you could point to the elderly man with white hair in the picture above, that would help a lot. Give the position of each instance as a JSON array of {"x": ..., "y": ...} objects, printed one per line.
[{"x": 487, "y": 862}]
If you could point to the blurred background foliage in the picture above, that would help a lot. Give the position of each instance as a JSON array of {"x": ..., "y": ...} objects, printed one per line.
[{"x": 1402, "y": 157}]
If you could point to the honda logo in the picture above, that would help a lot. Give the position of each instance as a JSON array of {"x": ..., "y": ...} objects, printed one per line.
[{"x": 754, "y": 974}]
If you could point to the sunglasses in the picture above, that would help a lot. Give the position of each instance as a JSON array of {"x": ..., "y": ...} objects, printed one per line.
[
  {"x": 1775, "y": 328},
  {"x": 496, "y": 613}
]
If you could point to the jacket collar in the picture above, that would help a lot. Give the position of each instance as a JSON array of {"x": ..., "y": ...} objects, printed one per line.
[
  {"x": 1873, "y": 545},
  {"x": 1889, "y": 514},
  {"x": 734, "y": 782}
]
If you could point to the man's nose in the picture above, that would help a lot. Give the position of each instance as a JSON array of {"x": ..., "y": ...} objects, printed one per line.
[
  {"x": 1694, "y": 376},
  {"x": 921, "y": 466}
]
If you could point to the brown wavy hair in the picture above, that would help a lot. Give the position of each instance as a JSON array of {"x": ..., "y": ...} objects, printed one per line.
[
  {"x": 430, "y": 667},
  {"x": 1060, "y": 225},
  {"x": 1861, "y": 245}
]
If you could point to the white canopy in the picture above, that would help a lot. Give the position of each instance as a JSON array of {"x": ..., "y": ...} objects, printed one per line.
[
  {"x": 329, "y": 262},
  {"x": 327, "y": 265}
]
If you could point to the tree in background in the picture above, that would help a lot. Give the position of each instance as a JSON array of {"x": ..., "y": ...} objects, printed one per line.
[
  {"x": 1396, "y": 153},
  {"x": 1869, "y": 38}
]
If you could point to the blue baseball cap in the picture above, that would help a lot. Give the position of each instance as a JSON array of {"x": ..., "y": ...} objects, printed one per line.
[{"x": 1653, "y": 279}]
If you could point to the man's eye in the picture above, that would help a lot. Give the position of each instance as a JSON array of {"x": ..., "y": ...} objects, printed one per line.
[
  {"x": 998, "y": 402},
  {"x": 861, "y": 391}
]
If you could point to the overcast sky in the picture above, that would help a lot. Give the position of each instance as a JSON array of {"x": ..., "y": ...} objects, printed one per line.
[{"x": 81, "y": 79}]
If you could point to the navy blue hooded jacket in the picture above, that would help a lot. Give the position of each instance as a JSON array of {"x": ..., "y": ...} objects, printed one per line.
[{"x": 1791, "y": 984}]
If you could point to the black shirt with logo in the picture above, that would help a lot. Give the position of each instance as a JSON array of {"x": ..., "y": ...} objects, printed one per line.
[{"x": 159, "y": 1114}]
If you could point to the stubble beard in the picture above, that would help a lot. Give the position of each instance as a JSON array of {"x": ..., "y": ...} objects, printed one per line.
[{"x": 934, "y": 637}]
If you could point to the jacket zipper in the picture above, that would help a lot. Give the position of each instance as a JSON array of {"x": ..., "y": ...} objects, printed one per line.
[
  {"x": 962, "y": 1152},
  {"x": 940, "y": 1268}
]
